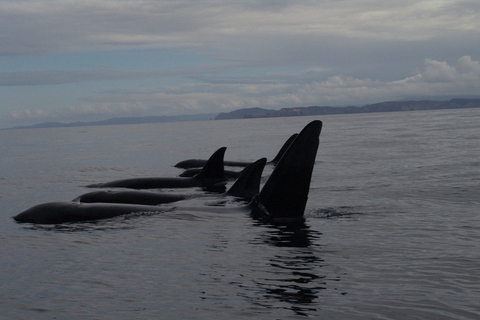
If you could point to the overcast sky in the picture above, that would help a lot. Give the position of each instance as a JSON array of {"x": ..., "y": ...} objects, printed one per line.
[{"x": 89, "y": 60}]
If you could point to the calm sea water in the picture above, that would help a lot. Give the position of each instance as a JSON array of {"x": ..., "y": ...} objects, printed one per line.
[{"x": 392, "y": 229}]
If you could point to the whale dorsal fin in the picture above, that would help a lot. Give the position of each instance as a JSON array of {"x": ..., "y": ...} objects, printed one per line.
[
  {"x": 284, "y": 195},
  {"x": 214, "y": 168},
  {"x": 284, "y": 148},
  {"x": 248, "y": 184}
]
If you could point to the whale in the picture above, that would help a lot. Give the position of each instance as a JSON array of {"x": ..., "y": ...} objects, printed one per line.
[
  {"x": 198, "y": 163},
  {"x": 212, "y": 175},
  {"x": 245, "y": 188},
  {"x": 282, "y": 199}
]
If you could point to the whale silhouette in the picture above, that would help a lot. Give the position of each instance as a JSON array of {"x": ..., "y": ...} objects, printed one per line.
[
  {"x": 211, "y": 175},
  {"x": 198, "y": 163},
  {"x": 245, "y": 188},
  {"x": 282, "y": 199}
]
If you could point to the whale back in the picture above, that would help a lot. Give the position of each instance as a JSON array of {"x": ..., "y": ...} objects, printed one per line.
[{"x": 63, "y": 212}]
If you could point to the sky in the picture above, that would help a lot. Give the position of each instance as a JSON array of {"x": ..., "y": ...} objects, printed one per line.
[{"x": 90, "y": 60}]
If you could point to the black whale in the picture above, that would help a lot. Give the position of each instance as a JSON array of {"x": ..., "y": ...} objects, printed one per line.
[{"x": 212, "y": 174}]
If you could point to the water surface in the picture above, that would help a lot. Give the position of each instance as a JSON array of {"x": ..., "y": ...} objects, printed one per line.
[{"x": 392, "y": 228}]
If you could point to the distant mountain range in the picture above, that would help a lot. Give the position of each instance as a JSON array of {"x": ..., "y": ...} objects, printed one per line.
[{"x": 389, "y": 106}]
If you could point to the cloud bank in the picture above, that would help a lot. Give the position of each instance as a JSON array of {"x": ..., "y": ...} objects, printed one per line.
[
  {"x": 51, "y": 26},
  {"x": 276, "y": 91}
]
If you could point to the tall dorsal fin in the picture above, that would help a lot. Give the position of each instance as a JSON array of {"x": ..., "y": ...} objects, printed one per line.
[
  {"x": 214, "y": 168},
  {"x": 284, "y": 195},
  {"x": 284, "y": 148},
  {"x": 248, "y": 184}
]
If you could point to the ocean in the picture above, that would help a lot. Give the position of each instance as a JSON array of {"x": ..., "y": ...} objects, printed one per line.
[{"x": 392, "y": 225}]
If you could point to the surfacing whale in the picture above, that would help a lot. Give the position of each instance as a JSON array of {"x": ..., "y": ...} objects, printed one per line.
[
  {"x": 245, "y": 188},
  {"x": 198, "y": 163},
  {"x": 211, "y": 175},
  {"x": 282, "y": 199}
]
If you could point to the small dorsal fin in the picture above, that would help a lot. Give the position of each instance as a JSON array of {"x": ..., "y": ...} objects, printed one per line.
[
  {"x": 284, "y": 148},
  {"x": 248, "y": 184},
  {"x": 284, "y": 195},
  {"x": 214, "y": 168}
]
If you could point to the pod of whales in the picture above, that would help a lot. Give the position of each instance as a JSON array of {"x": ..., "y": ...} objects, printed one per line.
[{"x": 281, "y": 200}]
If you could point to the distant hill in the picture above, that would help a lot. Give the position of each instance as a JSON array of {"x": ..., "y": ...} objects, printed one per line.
[
  {"x": 123, "y": 120},
  {"x": 389, "y": 106},
  {"x": 245, "y": 113}
]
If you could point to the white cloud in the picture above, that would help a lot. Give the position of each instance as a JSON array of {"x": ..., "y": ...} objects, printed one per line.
[
  {"x": 467, "y": 67},
  {"x": 29, "y": 114},
  {"x": 437, "y": 79},
  {"x": 438, "y": 71}
]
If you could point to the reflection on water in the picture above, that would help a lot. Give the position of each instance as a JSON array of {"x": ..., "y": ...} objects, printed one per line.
[
  {"x": 295, "y": 235},
  {"x": 293, "y": 277}
]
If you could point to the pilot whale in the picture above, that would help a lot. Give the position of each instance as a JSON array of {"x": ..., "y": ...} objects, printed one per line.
[
  {"x": 198, "y": 163},
  {"x": 211, "y": 175},
  {"x": 245, "y": 187},
  {"x": 282, "y": 200}
]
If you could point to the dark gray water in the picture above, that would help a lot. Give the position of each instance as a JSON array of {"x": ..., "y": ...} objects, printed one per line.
[{"x": 392, "y": 229}]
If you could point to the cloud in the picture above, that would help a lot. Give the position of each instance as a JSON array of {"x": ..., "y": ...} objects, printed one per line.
[
  {"x": 49, "y": 26},
  {"x": 32, "y": 78},
  {"x": 60, "y": 77},
  {"x": 35, "y": 78},
  {"x": 436, "y": 71},
  {"x": 29, "y": 114},
  {"x": 437, "y": 79}
]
